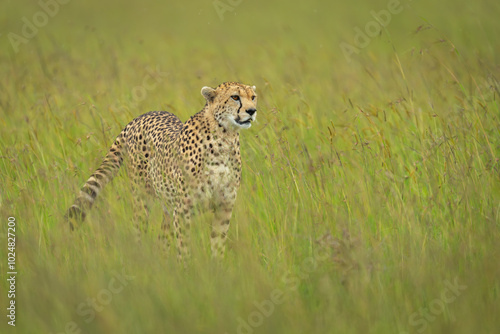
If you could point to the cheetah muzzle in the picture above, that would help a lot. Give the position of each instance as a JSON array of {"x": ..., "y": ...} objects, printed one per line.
[
  {"x": 247, "y": 122},
  {"x": 189, "y": 166}
]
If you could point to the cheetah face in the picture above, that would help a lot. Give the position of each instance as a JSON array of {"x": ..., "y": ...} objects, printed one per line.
[{"x": 233, "y": 105}]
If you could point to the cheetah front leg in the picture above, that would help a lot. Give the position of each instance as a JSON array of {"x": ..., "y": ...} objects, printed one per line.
[{"x": 220, "y": 227}]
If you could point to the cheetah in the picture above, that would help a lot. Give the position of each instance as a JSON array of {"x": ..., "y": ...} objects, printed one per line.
[{"x": 191, "y": 165}]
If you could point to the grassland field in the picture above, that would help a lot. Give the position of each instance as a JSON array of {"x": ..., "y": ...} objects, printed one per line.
[{"x": 370, "y": 196}]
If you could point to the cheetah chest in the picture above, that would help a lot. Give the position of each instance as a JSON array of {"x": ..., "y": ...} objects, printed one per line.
[{"x": 222, "y": 173}]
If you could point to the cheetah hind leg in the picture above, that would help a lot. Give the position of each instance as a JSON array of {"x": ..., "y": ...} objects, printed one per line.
[
  {"x": 182, "y": 225},
  {"x": 141, "y": 213},
  {"x": 166, "y": 234},
  {"x": 141, "y": 194}
]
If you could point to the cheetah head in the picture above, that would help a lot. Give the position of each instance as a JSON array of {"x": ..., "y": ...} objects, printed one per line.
[{"x": 233, "y": 105}]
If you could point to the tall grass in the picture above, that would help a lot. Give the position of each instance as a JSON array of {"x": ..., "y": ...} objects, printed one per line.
[{"x": 370, "y": 193}]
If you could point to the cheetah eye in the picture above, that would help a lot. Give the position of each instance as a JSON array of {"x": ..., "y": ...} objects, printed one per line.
[
  {"x": 235, "y": 97},
  {"x": 253, "y": 98}
]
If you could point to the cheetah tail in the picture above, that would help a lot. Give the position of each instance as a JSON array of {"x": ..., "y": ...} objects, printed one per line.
[{"x": 96, "y": 182}]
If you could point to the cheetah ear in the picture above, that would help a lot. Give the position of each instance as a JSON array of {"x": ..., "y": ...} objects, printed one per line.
[
  {"x": 208, "y": 93},
  {"x": 254, "y": 88}
]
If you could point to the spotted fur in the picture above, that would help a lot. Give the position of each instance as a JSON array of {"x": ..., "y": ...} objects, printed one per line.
[{"x": 189, "y": 165}]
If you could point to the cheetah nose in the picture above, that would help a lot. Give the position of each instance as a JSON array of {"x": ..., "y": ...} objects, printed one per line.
[{"x": 251, "y": 111}]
